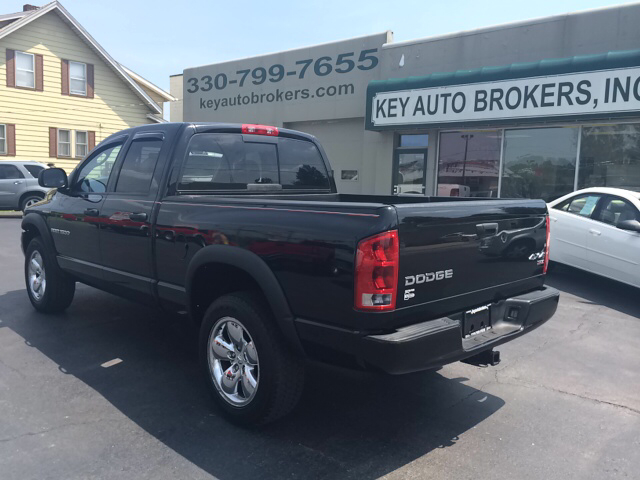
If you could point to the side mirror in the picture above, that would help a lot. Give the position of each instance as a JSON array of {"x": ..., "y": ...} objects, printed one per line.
[
  {"x": 53, "y": 178},
  {"x": 629, "y": 225}
]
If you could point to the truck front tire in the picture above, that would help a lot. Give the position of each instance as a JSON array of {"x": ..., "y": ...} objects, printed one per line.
[
  {"x": 252, "y": 374},
  {"x": 49, "y": 289}
]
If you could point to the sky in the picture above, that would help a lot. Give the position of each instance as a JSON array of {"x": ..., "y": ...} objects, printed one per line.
[{"x": 160, "y": 38}]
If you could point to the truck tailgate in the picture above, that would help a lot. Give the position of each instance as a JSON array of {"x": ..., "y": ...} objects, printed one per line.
[{"x": 465, "y": 253}]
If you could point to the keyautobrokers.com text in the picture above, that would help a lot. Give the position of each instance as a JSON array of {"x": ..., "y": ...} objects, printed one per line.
[{"x": 277, "y": 96}]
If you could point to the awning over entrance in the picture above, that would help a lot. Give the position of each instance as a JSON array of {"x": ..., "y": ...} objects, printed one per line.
[{"x": 605, "y": 85}]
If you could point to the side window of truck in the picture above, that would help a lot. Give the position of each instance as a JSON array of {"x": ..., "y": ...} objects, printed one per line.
[
  {"x": 94, "y": 174},
  {"x": 220, "y": 161},
  {"x": 301, "y": 165},
  {"x": 139, "y": 165}
]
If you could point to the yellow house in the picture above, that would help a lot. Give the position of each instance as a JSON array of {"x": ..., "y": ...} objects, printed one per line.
[{"x": 61, "y": 93}]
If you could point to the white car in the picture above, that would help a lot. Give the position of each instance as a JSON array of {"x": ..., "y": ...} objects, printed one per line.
[{"x": 598, "y": 230}]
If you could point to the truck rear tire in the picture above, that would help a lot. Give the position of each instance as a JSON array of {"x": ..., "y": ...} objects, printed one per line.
[
  {"x": 252, "y": 374},
  {"x": 49, "y": 289}
]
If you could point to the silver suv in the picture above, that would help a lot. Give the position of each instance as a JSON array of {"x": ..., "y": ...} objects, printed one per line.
[{"x": 19, "y": 187}]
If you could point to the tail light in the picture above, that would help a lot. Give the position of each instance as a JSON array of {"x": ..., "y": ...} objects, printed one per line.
[
  {"x": 260, "y": 130},
  {"x": 376, "y": 272},
  {"x": 546, "y": 246},
  {"x": 455, "y": 192}
]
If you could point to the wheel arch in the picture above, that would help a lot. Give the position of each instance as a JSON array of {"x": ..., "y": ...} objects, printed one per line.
[
  {"x": 219, "y": 269},
  {"x": 33, "y": 225}
]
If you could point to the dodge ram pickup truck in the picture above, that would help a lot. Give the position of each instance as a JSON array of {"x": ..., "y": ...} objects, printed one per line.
[{"x": 241, "y": 226}]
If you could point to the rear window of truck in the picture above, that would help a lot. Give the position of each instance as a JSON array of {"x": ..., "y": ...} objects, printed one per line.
[{"x": 224, "y": 161}]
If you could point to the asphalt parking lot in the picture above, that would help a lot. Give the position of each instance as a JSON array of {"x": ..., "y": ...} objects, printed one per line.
[{"x": 564, "y": 403}]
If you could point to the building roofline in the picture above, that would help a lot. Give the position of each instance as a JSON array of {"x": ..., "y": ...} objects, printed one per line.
[
  {"x": 79, "y": 29},
  {"x": 505, "y": 26},
  {"x": 155, "y": 118},
  {"x": 154, "y": 88},
  {"x": 13, "y": 16}
]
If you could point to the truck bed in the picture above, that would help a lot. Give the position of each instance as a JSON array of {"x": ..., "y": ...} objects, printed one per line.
[{"x": 487, "y": 245}]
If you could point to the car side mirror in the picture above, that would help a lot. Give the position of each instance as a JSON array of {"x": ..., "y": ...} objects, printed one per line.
[
  {"x": 53, "y": 178},
  {"x": 629, "y": 225}
]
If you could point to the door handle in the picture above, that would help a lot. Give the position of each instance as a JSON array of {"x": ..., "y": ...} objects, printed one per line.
[
  {"x": 19, "y": 182},
  {"x": 92, "y": 212},
  {"x": 487, "y": 229},
  {"x": 138, "y": 217},
  {"x": 553, "y": 219},
  {"x": 595, "y": 232}
]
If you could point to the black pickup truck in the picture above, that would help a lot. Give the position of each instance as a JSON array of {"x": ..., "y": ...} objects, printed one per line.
[{"x": 241, "y": 226}]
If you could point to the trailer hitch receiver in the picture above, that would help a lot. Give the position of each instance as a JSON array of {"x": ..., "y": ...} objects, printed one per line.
[{"x": 484, "y": 359}]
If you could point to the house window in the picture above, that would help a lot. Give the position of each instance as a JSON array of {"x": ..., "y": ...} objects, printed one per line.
[
  {"x": 82, "y": 144},
  {"x": 3, "y": 140},
  {"x": 77, "y": 78},
  {"x": 64, "y": 143},
  {"x": 25, "y": 70}
]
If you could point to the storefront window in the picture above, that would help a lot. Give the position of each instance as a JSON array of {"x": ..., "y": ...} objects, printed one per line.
[
  {"x": 468, "y": 163},
  {"x": 539, "y": 163},
  {"x": 610, "y": 156}
]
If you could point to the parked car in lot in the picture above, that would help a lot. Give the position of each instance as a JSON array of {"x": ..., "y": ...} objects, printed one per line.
[
  {"x": 19, "y": 187},
  {"x": 241, "y": 226},
  {"x": 598, "y": 230}
]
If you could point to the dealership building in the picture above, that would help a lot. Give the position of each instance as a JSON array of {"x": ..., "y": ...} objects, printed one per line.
[{"x": 530, "y": 109}]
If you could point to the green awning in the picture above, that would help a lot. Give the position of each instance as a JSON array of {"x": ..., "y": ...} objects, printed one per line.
[{"x": 542, "y": 68}]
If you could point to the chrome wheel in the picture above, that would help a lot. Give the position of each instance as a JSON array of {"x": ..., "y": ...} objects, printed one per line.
[
  {"x": 31, "y": 201},
  {"x": 233, "y": 361},
  {"x": 37, "y": 277}
]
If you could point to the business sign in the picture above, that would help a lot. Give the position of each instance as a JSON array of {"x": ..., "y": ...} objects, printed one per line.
[
  {"x": 322, "y": 82},
  {"x": 587, "y": 93}
]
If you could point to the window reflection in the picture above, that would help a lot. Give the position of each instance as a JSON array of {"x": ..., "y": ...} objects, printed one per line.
[
  {"x": 610, "y": 156},
  {"x": 409, "y": 164},
  {"x": 468, "y": 163},
  {"x": 410, "y": 173},
  {"x": 539, "y": 163}
]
